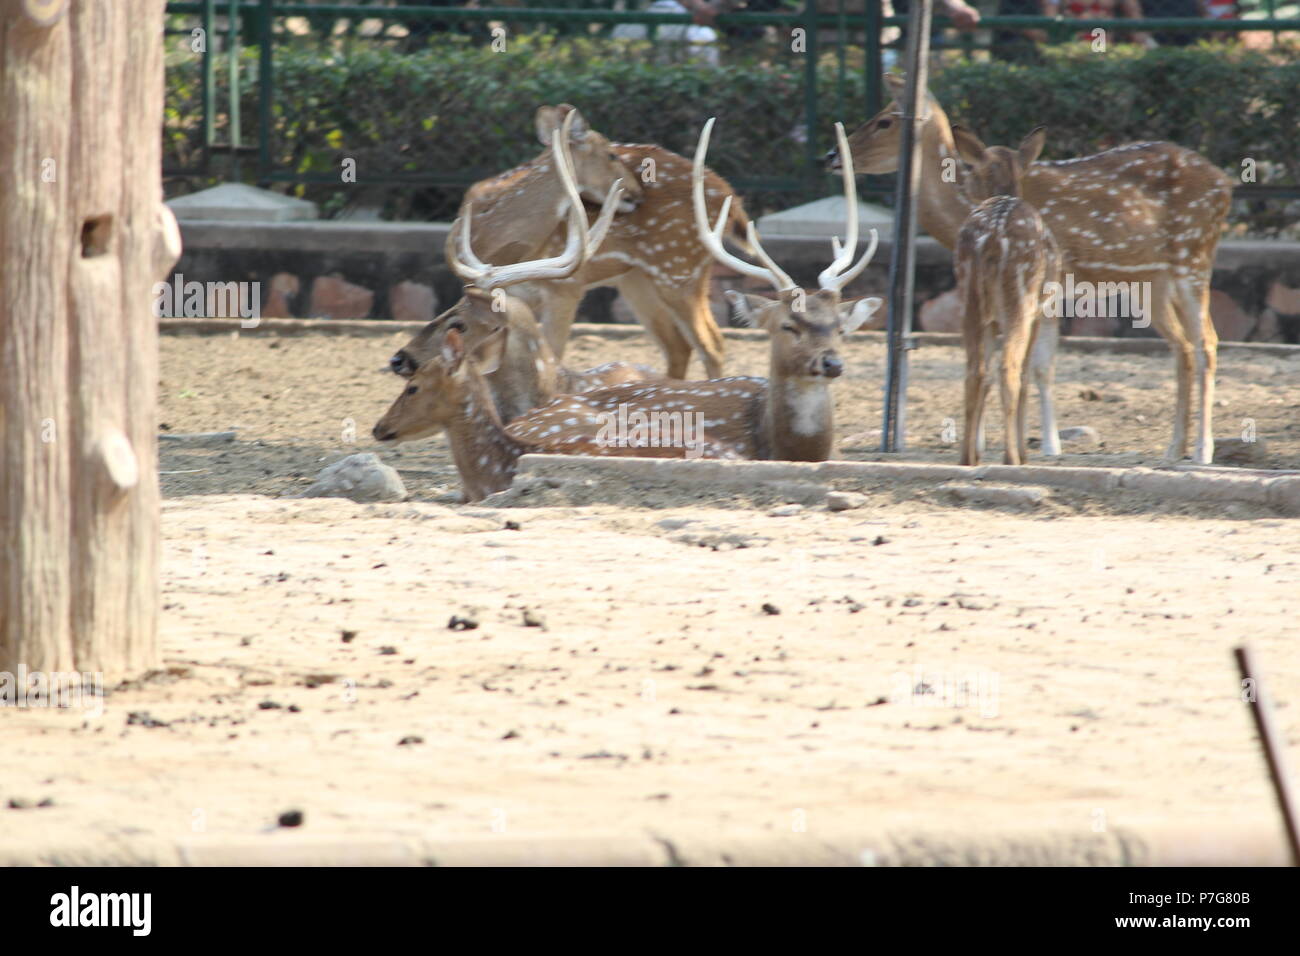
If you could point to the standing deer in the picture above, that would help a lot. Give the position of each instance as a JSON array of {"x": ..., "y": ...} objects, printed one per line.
[
  {"x": 1145, "y": 212},
  {"x": 528, "y": 373},
  {"x": 651, "y": 256},
  {"x": 1004, "y": 258},
  {"x": 788, "y": 416}
]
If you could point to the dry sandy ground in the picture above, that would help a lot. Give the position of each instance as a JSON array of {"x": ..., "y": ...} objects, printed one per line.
[{"x": 930, "y": 667}]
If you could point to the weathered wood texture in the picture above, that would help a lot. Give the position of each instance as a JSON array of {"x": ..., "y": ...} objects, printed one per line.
[{"x": 83, "y": 237}]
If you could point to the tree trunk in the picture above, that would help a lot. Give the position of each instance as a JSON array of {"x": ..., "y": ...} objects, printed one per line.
[{"x": 83, "y": 237}]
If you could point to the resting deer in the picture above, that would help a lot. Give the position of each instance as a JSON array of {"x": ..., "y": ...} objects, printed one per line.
[
  {"x": 788, "y": 416},
  {"x": 449, "y": 391},
  {"x": 1145, "y": 212},
  {"x": 651, "y": 255},
  {"x": 528, "y": 373},
  {"x": 1005, "y": 255}
]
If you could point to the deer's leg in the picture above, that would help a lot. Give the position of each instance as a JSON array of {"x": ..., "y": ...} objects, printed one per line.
[
  {"x": 1164, "y": 315},
  {"x": 974, "y": 338},
  {"x": 1042, "y": 367},
  {"x": 659, "y": 320},
  {"x": 1011, "y": 378},
  {"x": 1022, "y": 403},
  {"x": 1193, "y": 307},
  {"x": 556, "y": 310},
  {"x": 701, "y": 329}
]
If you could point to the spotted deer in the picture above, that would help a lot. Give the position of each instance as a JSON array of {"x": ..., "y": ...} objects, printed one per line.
[
  {"x": 1146, "y": 212},
  {"x": 1004, "y": 259},
  {"x": 528, "y": 373},
  {"x": 651, "y": 255},
  {"x": 449, "y": 391},
  {"x": 787, "y": 416}
]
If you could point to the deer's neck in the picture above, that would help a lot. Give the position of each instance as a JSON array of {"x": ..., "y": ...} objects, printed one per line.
[
  {"x": 484, "y": 454},
  {"x": 529, "y": 375},
  {"x": 941, "y": 207},
  {"x": 799, "y": 420}
]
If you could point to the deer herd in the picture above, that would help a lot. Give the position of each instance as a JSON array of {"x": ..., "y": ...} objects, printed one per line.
[{"x": 488, "y": 371}]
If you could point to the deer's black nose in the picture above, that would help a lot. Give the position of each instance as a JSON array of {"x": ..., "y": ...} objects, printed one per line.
[
  {"x": 380, "y": 434},
  {"x": 832, "y": 366},
  {"x": 402, "y": 364}
]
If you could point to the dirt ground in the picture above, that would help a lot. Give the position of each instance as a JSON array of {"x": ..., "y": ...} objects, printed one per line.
[{"x": 702, "y": 666}]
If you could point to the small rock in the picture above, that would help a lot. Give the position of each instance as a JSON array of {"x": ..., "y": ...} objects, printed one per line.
[
  {"x": 1235, "y": 451},
  {"x": 410, "y": 741},
  {"x": 458, "y": 623},
  {"x": 387, "y": 650},
  {"x": 269, "y": 705},
  {"x": 291, "y": 818},
  {"x": 533, "y": 619},
  {"x": 844, "y": 500},
  {"x": 785, "y": 511},
  {"x": 358, "y": 477},
  {"x": 510, "y": 735},
  {"x": 512, "y": 526},
  {"x": 1082, "y": 437},
  {"x": 142, "y": 718},
  {"x": 348, "y": 636},
  {"x": 674, "y": 524},
  {"x": 771, "y": 609}
]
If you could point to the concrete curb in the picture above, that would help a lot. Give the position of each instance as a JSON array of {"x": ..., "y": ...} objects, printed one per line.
[
  {"x": 1281, "y": 492},
  {"x": 1254, "y": 846},
  {"x": 381, "y": 327}
]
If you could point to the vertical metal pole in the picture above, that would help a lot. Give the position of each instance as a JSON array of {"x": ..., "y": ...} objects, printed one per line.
[
  {"x": 871, "y": 44},
  {"x": 232, "y": 42},
  {"x": 265, "y": 89},
  {"x": 1273, "y": 743},
  {"x": 813, "y": 178},
  {"x": 209, "y": 84},
  {"x": 902, "y": 262}
]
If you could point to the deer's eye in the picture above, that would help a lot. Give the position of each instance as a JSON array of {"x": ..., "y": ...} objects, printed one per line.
[
  {"x": 411, "y": 389},
  {"x": 885, "y": 123},
  {"x": 456, "y": 324},
  {"x": 792, "y": 329}
]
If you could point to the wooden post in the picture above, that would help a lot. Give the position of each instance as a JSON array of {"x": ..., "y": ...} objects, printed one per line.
[{"x": 83, "y": 237}]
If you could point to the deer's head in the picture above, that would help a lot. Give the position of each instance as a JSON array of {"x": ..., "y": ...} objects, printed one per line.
[
  {"x": 875, "y": 144},
  {"x": 805, "y": 329},
  {"x": 436, "y": 393},
  {"x": 595, "y": 165},
  {"x": 995, "y": 170}
]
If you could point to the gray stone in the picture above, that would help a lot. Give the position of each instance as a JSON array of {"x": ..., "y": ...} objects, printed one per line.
[
  {"x": 241, "y": 203},
  {"x": 844, "y": 500},
  {"x": 359, "y": 477},
  {"x": 1080, "y": 437}
]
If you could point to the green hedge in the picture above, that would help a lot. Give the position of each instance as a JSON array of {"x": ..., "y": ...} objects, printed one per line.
[{"x": 461, "y": 108}]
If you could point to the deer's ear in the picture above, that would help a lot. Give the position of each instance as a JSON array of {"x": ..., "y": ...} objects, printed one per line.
[
  {"x": 579, "y": 129},
  {"x": 490, "y": 351},
  {"x": 897, "y": 83},
  {"x": 1031, "y": 146},
  {"x": 546, "y": 120},
  {"x": 453, "y": 350},
  {"x": 854, "y": 314},
  {"x": 746, "y": 309},
  {"x": 969, "y": 146}
]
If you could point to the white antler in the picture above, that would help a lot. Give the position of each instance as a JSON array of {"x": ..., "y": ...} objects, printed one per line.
[
  {"x": 833, "y": 278},
  {"x": 712, "y": 237},
  {"x": 580, "y": 243}
]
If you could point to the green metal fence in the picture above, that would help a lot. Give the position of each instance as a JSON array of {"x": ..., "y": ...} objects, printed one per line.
[{"x": 260, "y": 29}]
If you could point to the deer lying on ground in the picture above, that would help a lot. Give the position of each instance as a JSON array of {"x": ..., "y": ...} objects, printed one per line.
[
  {"x": 1145, "y": 212},
  {"x": 527, "y": 374},
  {"x": 1004, "y": 258},
  {"x": 788, "y": 416},
  {"x": 651, "y": 255}
]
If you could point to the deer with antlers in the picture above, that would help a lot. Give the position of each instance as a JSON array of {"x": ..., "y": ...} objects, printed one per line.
[
  {"x": 651, "y": 255},
  {"x": 1004, "y": 259},
  {"x": 527, "y": 374},
  {"x": 787, "y": 416},
  {"x": 1146, "y": 212}
]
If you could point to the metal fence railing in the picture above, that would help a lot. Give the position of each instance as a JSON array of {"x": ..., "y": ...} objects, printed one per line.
[{"x": 232, "y": 105}]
